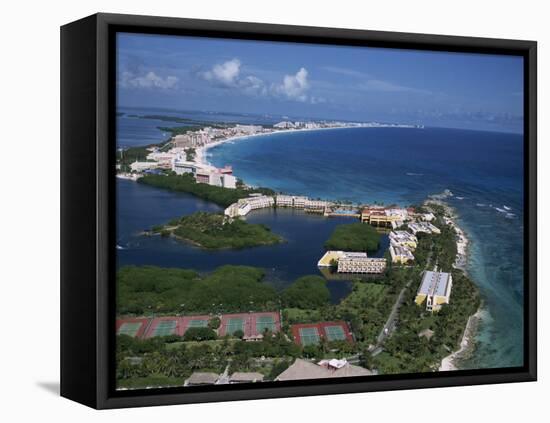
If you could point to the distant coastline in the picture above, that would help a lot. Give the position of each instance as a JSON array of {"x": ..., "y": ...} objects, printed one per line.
[{"x": 201, "y": 152}]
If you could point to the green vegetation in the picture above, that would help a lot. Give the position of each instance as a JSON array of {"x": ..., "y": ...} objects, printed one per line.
[
  {"x": 147, "y": 290},
  {"x": 215, "y": 231},
  {"x": 199, "y": 334},
  {"x": 214, "y": 323},
  {"x": 186, "y": 183},
  {"x": 154, "y": 362},
  {"x": 405, "y": 351},
  {"x": 306, "y": 292},
  {"x": 148, "y": 363},
  {"x": 408, "y": 352},
  {"x": 190, "y": 154},
  {"x": 190, "y": 121},
  {"x": 167, "y": 361},
  {"x": 354, "y": 237},
  {"x": 127, "y": 156}
]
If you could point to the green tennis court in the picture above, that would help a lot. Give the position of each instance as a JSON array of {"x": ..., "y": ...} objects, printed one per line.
[
  {"x": 265, "y": 322},
  {"x": 233, "y": 325},
  {"x": 309, "y": 336},
  {"x": 335, "y": 333},
  {"x": 165, "y": 327},
  {"x": 129, "y": 328},
  {"x": 198, "y": 323}
]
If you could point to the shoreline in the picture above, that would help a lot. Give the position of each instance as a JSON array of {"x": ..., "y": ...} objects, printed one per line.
[
  {"x": 200, "y": 152},
  {"x": 467, "y": 344},
  {"x": 462, "y": 242}
]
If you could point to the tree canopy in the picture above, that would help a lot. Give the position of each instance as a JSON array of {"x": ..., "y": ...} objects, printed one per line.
[{"x": 354, "y": 237}]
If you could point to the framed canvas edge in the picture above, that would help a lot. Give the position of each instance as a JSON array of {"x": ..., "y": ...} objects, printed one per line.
[{"x": 105, "y": 170}]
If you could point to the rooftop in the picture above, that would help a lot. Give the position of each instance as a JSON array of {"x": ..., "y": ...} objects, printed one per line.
[
  {"x": 434, "y": 283},
  {"x": 303, "y": 369},
  {"x": 200, "y": 378},
  {"x": 246, "y": 377}
]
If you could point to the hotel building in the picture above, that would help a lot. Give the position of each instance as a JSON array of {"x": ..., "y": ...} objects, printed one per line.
[
  {"x": 259, "y": 201},
  {"x": 435, "y": 289},
  {"x": 352, "y": 262},
  {"x": 379, "y": 216},
  {"x": 400, "y": 254},
  {"x": 403, "y": 239},
  {"x": 141, "y": 166},
  {"x": 426, "y": 227}
]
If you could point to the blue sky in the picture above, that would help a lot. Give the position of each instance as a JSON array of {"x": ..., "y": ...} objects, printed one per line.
[{"x": 458, "y": 90}]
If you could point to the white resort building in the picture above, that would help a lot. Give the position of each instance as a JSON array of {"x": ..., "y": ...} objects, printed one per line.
[
  {"x": 425, "y": 227},
  {"x": 352, "y": 262}
]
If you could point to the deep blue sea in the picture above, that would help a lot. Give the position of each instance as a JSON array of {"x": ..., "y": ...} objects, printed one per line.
[{"x": 385, "y": 165}]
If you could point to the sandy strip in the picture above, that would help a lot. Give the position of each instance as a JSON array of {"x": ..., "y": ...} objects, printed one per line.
[{"x": 447, "y": 364}]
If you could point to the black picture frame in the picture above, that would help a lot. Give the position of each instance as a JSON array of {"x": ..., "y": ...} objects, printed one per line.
[{"x": 87, "y": 209}]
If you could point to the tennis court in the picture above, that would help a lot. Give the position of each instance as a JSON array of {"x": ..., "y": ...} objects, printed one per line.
[
  {"x": 265, "y": 322},
  {"x": 309, "y": 336},
  {"x": 129, "y": 328},
  {"x": 165, "y": 327},
  {"x": 335, "y": 333},
  {"x": 233, "y": 325},
  {"x": 197, "y": 323}
]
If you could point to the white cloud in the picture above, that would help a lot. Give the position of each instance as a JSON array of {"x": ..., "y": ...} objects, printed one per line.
[
  {"x": 294, "y": 87},
  {"x": 149, "y": 80},
  {"x": 253, "y": 85},
  {"x": 226, "y": 74}
]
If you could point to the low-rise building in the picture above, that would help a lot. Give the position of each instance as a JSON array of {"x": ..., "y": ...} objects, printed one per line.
[
  {"x": 380, "y": 216},
  {"x": 300, "y": 202},
  {"x": 181, "y": 167},
  {"x": 284, "y": 200},
  {"x": 246, "y": 377},
  {"x": 400, "y": 254},
  {"x": 358, "y": 262},
  {"x": 259, "y": 201},
  {"x": 303, "y": 369},
  {"x": 315, "y": 204},
  {"x": 141, "y": 166},
  {"x": 428, "y": 217},
  {"x": 425, "y": 227},
  {"x": 329, "y": 258},
  {"x": 201, "y": 379},
  {"x": 435, "y": 289},
  {"x": 403, "y": 239}
]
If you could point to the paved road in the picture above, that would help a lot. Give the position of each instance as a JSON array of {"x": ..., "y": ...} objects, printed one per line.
[{"x": 389, "y": 326}]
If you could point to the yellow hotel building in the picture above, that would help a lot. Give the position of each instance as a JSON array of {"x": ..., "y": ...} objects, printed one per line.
[{"x": 435, "y": 289}]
